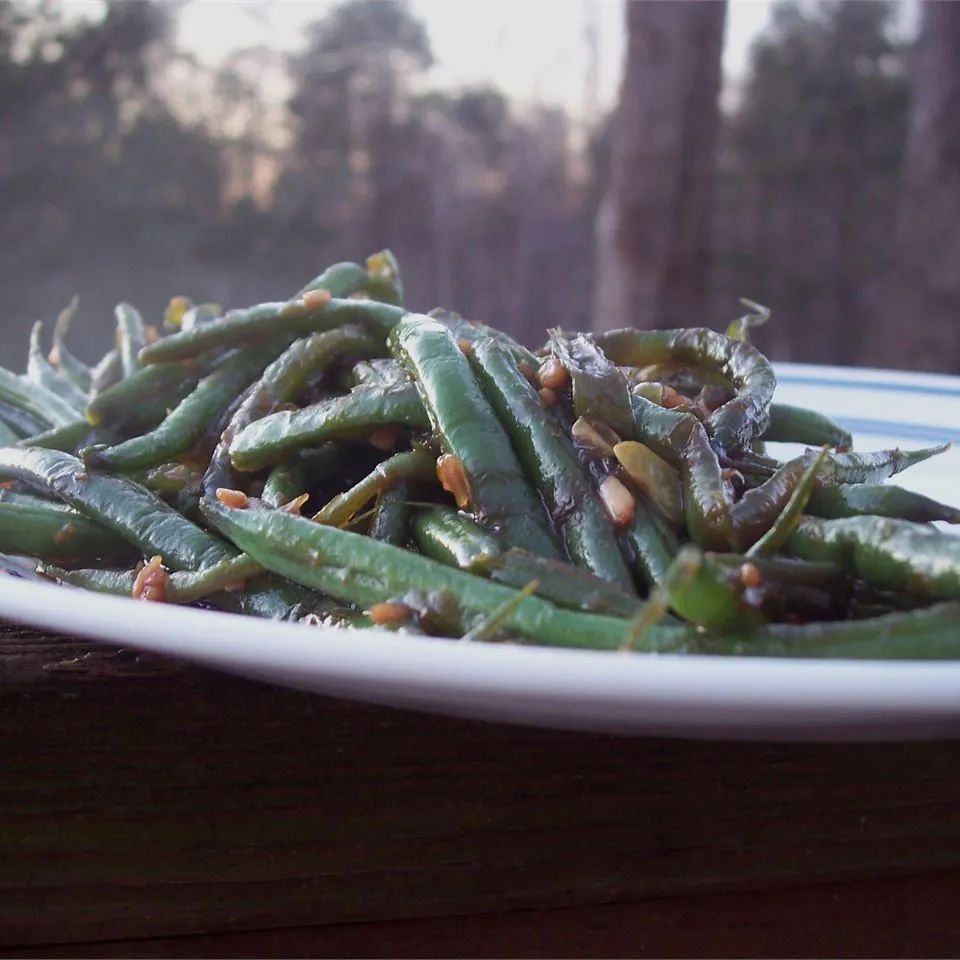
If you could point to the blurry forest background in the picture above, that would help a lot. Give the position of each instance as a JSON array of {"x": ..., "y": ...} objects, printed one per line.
[{"x": 827, "y": 187}]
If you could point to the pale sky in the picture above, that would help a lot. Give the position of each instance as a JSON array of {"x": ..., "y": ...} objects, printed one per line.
[{"x": 534, "y": 50}]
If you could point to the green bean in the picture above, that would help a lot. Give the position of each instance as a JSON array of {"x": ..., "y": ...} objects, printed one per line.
[
  {"x": 144, "y": 395},
  {"x": 391, "y": 516},
  {"x": 285, "y": 482},
  {"x": 489, "y": 626},
  {"x": 191, "y": 418},
  {"x": 66, "y": 438},
  {"x": 106, "y": 373},
  {"x": 497, "y": 491},
  {"x": 39, "y": 530},
  {"x": 561, "y": 583},
  {"x": 21, "y": 422},
  {"x": 131, "y": 337},
  {"x": 384, "y": 282},
  {"x": 736, "y": 423},
  {"x": 469, "y": 331},
  {"x": 680, "y": 439},
  {"x": 739, "y": 329},
  {"x": 34, "y": 400},
  {"x": 711, "y": 595},
  {"x": 785, "y": 523},
  {"x": 270, "y": 320},
  {"x": 865, "y": 499},
  {"x": 279, "y": 435},
  {"x": 76, "y": 371},
  {"x": 452, "y": 538},
  {"x": 170, "y": 479},
  {"x": 41, "y": 372},
  {"x": 895, "y": 554},
  {"x": 281, "y": 382},
  {"x": 131, "y": 511},
  {"x": 799, "y": 425},
  {"x": 356, "y": 569},
  {"x": 928, "y": 634},
  {"x": 412, "y": 465},
  {"x": 549, "y": 459},
  {"x": 874, "y": 467},
  {"x": 339, "y": 280},
  {"x": 652, "y": 542},
  {"x": 182, "y": 587},
  {"x": 380, "y": 372},
  {"x": 600, "y": 390},
  {"x": 8, "y": 436}
]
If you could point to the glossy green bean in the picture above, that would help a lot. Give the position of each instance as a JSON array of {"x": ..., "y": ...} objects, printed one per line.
[
  {"x": 499, "y": 495},
  {"x": 282, "y": 381},
  {"x": 450, "y": 537},
  {"x": 131, "y": 337},
  {"x": 600, "y": 390},
  {"x": 270, "y": 320},
  {"x": 106, "y": 373},
  {"x": 391, "y": 516},
  {"x": 66, "y": 438},
  {"x": 798, "y": 425},
  {"x": 8, "y": 436},
  {"x": 356, "y": 569},
  {"x": 41, "y": 372},
  {"x": 550, "y": 461},
  {"x": 653, "y": 544},
  {"x": 76, "y": 371},
  {"x": 890, "y": 554},
  {"x": 928, "y": 634},
  {"x": 280, "y": 435},
  {"x": 680, "y": 439},
  {"x": 735, "y": 424},
  {"x": 39, "y": 530},
  {"x": 784, "y": 523},
  {"x": 191, "y": 418},
  {"x": 36, "y": 401},
  {"x": 867, "y": 499},
  {"x": 285, "y": 482},
  {"x": 410, "y": 466},
  {"x": 130, "y": 510},
  {"x": 185, "y": 586},
  {"x": 146, "y": 395}
]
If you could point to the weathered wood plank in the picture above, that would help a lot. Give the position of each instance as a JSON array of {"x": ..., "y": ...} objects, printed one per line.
[
  {"x": 890, "y": 917},
  {"x": 141, "y": 797}
]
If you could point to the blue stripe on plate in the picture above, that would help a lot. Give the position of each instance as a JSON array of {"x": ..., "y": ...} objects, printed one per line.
[
  {"x": 912, "y": 431},
  {"x": 918, "y": 388}
]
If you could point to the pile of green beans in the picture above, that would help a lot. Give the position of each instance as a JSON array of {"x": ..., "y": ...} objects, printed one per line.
[{"x": 337, "y": 458}]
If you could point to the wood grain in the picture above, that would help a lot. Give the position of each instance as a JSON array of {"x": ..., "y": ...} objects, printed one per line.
[{"x": 140, "y": 797}]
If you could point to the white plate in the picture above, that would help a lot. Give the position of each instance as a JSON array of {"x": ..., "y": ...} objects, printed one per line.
[{"x": 736, "y": 698}]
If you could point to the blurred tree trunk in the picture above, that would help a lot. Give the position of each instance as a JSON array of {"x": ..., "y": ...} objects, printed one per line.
[
  {"x": 652, "y": 242},
  {"x": 921, "y": 311}
]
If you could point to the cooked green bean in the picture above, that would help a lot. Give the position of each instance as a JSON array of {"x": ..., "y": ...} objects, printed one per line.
[
  {"x": 8, "y": 437},
  {"x": 799, "y": 425},
  {"x": 281, "y": 382},
  {"x": 356, "y": 569},
  {"x": 130, "y": 510},
  {"x": 391, "y": 516},
  {"x": 191, "y": 418},
  {"x": 41, "y": 372},
  {"x": 887, "y": 553},
  {"x": 35, "y": 401},
  {"x": 357, "y": 414},
  {"x": 269, "y": 320},
  {"x": 452, "y": 538},
  {"x": 867, "y": 499},
  {"x": 66, "y": 438},
  {"x": 38, "y": 530},
  {"x": 736, "y": 423},
  {"x": 600, "y": 390},
  {"x": 76, "y": 371},
  {"x": 131, "y": 337},
  {"x": 284, "y": 482},
  {"x": 144, "y": 396},
  {"x": 495, "y": 488},
  {"x": 548, "y": 458},
  {"x": 412, "y": 465}
]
